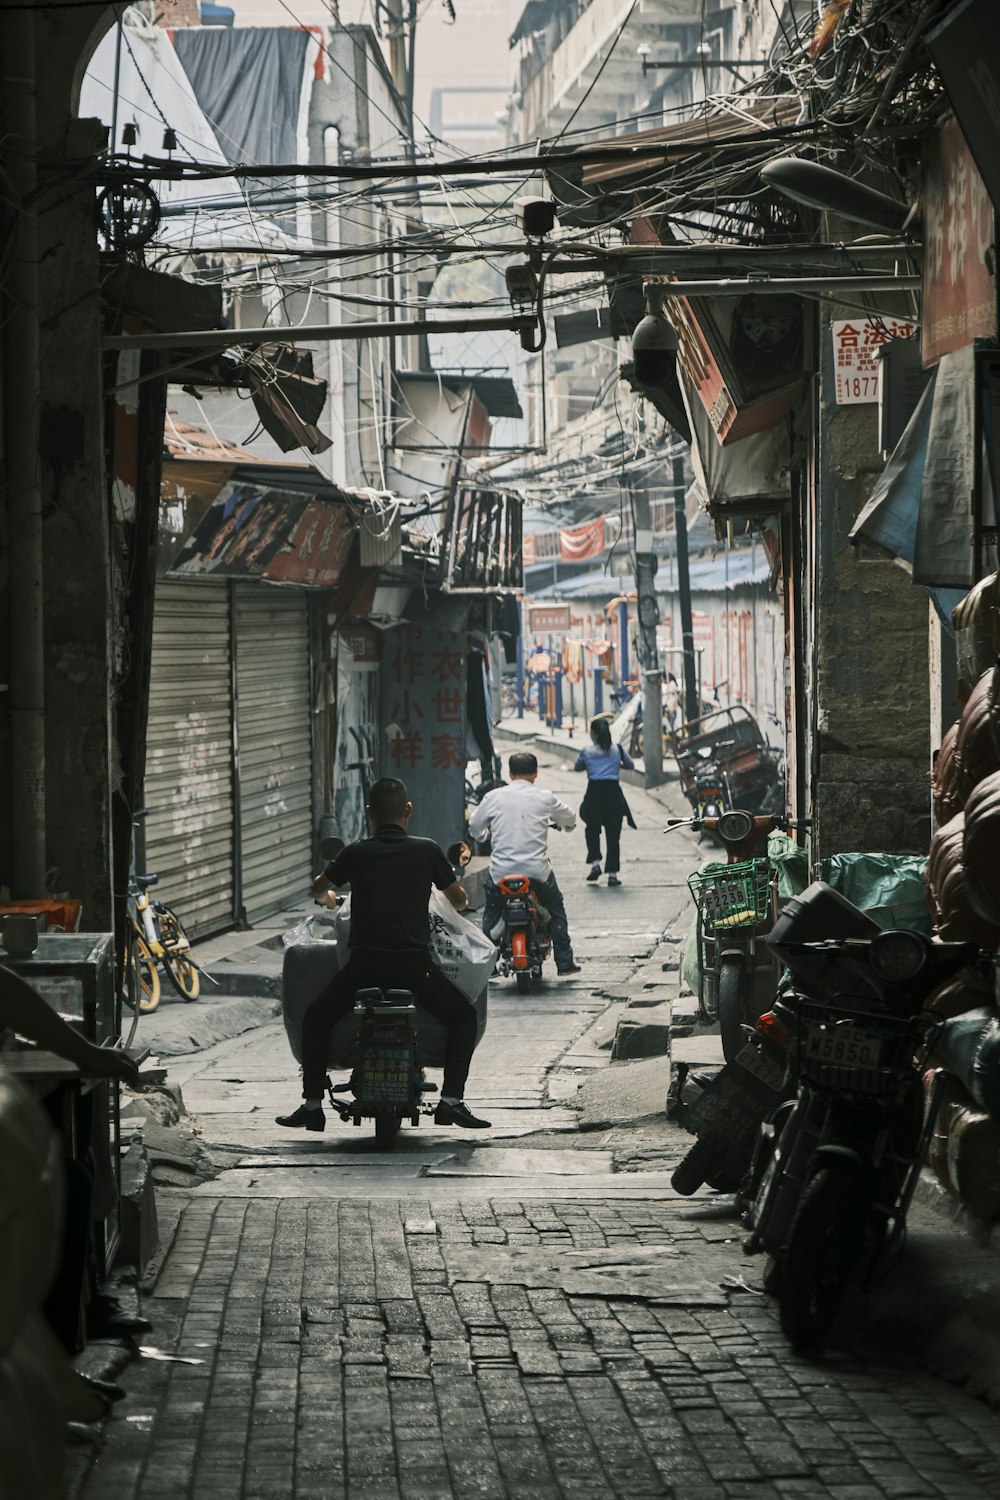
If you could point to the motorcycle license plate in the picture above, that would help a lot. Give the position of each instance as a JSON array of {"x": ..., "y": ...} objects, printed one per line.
[
  {"x": 845, "y": 1046},
  {"x": 760, "y": 1067},
  {"x": 722, "y": 897}
]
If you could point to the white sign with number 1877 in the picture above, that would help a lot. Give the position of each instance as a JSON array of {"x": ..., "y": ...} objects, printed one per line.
[{"x": 856, "y": 342}]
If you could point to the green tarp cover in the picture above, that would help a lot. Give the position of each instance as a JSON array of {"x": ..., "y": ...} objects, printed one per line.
[{"x": 889, "y": 887}]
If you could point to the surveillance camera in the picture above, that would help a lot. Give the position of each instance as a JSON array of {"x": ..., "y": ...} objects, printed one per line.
[{"x": 655, "y": 342}]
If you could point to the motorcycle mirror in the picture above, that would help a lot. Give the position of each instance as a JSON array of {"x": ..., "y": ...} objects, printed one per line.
[
  {"x": 459, "y": 855},
  {"x": 331, "y": 848}
]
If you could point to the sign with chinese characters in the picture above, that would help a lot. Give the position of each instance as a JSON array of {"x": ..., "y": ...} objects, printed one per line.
[
  {"x": 423, "y": 688},
  {"x": 548, "y": 619},
  {"x": 856, "y": 363},
  {"x": 253, "y": 531},
  {"x": 959, "y": 296}
]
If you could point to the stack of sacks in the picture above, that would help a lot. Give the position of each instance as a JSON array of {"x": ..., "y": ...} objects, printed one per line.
[{"x": 963, "y": 888}]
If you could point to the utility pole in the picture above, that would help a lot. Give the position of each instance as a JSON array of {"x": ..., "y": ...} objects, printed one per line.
[
  {"x": 649, "y": 656},
  {"x": 692, "y": 707},
  {"x": 22, "y": 403},
  {"x": 398, "y": 68}
]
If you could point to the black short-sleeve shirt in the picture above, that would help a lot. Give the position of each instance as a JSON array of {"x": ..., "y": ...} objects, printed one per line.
[{"x": 390, "y": 876}]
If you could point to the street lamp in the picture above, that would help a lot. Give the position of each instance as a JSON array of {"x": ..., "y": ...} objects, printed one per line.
[{"x": 816, "y": 186}]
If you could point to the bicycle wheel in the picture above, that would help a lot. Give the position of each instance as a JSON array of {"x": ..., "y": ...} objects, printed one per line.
[
  {"x": 176, "y": 949},
  {"x": 141, "y": 988}
]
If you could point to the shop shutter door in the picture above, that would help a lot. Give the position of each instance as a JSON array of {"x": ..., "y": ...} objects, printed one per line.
[
  {"x": 189, "y": 780},
  {"x": 274, "y": 722}
]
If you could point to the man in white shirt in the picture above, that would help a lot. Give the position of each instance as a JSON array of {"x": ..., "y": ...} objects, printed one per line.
[{"x": 517, "y": 818}]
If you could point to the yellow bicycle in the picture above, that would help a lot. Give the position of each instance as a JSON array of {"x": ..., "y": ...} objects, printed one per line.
[{"x": 157, "y": 937}]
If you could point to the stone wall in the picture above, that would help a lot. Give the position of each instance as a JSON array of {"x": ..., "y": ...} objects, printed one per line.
[{"x": 871, "y": 672}]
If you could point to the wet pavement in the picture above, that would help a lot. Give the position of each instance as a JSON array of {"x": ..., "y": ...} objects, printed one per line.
[{"x": 527, "y": 1312}]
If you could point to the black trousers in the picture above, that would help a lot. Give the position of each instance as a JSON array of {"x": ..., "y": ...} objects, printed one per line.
[{"x": 409, "y": 971}]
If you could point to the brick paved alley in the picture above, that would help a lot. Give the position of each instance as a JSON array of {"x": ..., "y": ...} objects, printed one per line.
[{"x": 531, "y": 1313}]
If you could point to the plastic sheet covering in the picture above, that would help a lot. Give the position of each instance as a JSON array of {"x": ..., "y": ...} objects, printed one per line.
[
  {"x": 969, "y": 1048},
  {"x": 250, "y": 82},
  {"x": 943, "y": 552},
  {"x": 889, "y": 887},
  {"x": 790, "y": 863},
  {"x": 890, "y": 519}
]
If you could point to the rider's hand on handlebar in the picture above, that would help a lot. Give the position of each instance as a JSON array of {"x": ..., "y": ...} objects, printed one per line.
[{"x": 327, "y": 898}]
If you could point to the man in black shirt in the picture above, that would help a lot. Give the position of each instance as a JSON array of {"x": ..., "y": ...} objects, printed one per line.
[{"x": 390, "y": 876}]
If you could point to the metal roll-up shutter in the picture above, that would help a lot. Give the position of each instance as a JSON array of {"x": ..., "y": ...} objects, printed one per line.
[
  {"x": 275, "y": 747},
  {"x": 189, "y": 754}
]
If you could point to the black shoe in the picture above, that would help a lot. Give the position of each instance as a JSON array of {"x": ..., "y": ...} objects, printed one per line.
[
  {"x": 107, "y": 1319},
  {"x": 458, "y": 1114},
  {"x": 570, "y": 969},
  {"x": 613, "y": 880},
  {"x": 303, "y": 1119},
  {"x": 595, "y": 872},
  {"x": 106, "y": 1389}
]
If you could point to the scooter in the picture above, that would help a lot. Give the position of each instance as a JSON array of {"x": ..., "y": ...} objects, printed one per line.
[
  {"x": 834, "y": 1174},
  {"x": 386, "y": 1043},
  {"x": 736, "y": 906},
  {"x": 523, "y": 938},
  {"x": 729, "y": 1109},
  {"x": 709, "y": 794}
]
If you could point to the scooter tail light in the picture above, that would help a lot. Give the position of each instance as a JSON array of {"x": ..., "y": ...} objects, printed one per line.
[{"x": 776, "y": 1031}]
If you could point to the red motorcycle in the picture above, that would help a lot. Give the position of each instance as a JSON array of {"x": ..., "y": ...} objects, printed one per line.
[{"x": 524, "y": 943}]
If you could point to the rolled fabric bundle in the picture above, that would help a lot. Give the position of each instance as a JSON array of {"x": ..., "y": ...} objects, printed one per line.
[
  {"x": 945, "y": 791},
  {"x": 976, "y": 754},
  {"x": 981, "y": 848}
]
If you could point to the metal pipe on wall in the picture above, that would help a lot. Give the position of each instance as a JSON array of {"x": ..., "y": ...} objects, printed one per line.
[{"x": 21, "y": 412}]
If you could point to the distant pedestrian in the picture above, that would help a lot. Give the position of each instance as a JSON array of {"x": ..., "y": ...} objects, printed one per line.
[{"x": 604, "y": 807}]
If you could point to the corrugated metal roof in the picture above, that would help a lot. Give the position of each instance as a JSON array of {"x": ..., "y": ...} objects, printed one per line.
[{"x": 709, "y": 575}]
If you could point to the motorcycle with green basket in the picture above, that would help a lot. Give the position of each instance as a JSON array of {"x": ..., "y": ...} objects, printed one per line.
[{"x": 736, "y": 907}]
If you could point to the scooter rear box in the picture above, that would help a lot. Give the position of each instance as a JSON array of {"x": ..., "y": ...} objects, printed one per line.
[
  {"x": 817, "y": 915},
  {"x": 307, "y": 969}
]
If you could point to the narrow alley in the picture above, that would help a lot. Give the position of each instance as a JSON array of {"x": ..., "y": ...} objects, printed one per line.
[{"x": 530, "y": 1313}]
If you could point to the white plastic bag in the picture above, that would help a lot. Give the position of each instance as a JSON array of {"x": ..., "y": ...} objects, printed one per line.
[
  {"x": 460, "y": 950},
  {"x": 320, "y": 927},
  {"x": 463, "y": 953}
]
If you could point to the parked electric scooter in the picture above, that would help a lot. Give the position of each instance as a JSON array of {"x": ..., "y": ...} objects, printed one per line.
[
  {"x": 736, "y": 907},
  {"x": 833, "y": 1176},
  {"x": 709, "y": 793},
  {"x": 727, "y": 1113}
]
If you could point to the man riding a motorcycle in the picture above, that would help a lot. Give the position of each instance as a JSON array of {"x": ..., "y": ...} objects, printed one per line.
[
  {"x": 390, "y": 875},
  {"x": 517, "y": 818}
]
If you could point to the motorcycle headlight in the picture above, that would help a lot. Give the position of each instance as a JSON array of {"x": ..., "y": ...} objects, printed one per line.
[
  {"x": 898, "y": 956},
  {"x": 734, "y": 827}
]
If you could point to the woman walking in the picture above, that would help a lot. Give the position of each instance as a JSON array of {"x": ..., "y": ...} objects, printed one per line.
[{"x": 604, "y": 806}]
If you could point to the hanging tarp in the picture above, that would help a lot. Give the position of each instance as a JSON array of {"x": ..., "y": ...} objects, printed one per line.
[
  {"x": 890, "y": 518},
  {"x": 254, "y": 84},
  {"x": 943, "y": 551}
]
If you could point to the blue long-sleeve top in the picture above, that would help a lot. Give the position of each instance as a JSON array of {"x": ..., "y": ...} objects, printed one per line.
[{"x": 603, "y": 765}]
